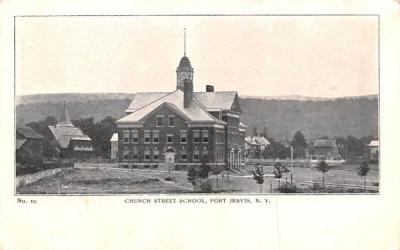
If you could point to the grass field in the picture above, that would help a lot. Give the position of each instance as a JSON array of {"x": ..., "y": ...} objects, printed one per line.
[
  {"x": 108, "y": 180},
  {"x": 93, "y": 181}
]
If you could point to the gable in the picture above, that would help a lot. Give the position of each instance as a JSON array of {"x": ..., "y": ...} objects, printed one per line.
[
  {"x": 235, "y": 105},
  {"x": 165, "y": 109},
  {"x": 174, "y": 100}
]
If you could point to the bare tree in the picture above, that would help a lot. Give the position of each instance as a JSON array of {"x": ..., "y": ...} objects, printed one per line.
[
  {"x": 323, "y": 168},
  {"x": 363, "y": 171},
  {"x": 278, "y": 172},
  {"x": 258, "y": 175}
]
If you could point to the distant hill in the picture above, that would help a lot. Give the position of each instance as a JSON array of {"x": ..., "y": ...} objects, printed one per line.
[
  {"x": 356, "y": 116},
  {"x": 70, "y": 97},
  {"x": 282, "y": 116}
]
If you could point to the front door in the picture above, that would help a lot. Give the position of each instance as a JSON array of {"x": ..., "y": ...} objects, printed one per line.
[{"x": 169, "y": 160}]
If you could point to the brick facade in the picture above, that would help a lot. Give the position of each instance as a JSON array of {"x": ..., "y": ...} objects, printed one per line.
[
  {"x": 158, "y": 122},
  {"x": 139, "y": 144}
]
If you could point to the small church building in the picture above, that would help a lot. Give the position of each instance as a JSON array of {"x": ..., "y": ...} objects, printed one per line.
[
  {"x": 71, "y": 141},
  {"x": 183, "y": 127}
]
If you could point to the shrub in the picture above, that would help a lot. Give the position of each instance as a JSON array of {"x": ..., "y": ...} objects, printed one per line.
[{"x": 206, "y": 187}]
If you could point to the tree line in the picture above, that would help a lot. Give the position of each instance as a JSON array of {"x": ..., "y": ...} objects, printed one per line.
[{"x": 349, "y": 147}]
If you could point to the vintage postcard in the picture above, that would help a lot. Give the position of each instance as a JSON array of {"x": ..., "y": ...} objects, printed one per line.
[
  {"x": 257, "y": 104},
  {"x": 226, "y": 120}
]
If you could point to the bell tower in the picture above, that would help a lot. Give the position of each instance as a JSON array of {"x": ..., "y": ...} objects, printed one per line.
[{"x": 185, "y": 69}]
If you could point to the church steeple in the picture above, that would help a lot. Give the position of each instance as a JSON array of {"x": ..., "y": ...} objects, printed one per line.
[
  {"x": 185, "y": 69},
  {"x": 64, "y": 120}
]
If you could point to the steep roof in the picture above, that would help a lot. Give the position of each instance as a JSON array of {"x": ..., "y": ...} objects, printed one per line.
[
  {"x": 257, "y": 140},
  {"x": 29, "y": 133},
  {"x": 142, "y": 99},
  {"x": 64, "y": 118},
  {"x": 209, "y": 100},
  {"x": 174, "y": 101},
  {"x": 114, "y": 138},
  {"x": 184, "y": 64},
  {"x": 223, "y": 100},
  {"x": 251, "y": 140},
  {"x": 19, "y": 143},
  {"x": 262, "y": 140},
  {"x": 65, "y": 134},
  {"x": 324, "y": 143}
]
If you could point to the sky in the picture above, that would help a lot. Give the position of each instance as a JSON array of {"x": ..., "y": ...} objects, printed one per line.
[{"x": 317, "y": 56}]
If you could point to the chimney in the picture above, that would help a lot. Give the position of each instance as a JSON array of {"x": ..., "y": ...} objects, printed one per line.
[
  {"x": 187, "y": 92},
  {"x": 209, "y": 88}
]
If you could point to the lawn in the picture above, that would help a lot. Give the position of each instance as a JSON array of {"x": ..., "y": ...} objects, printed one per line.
[
  {"x": 108, "y": 180},
  {"x": 99, "y": 181}
]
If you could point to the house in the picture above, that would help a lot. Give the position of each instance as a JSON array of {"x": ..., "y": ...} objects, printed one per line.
[
  {"x": 114, "y": 146},
  {"x": 28, "y": 145},
  {"x": 183, "y": 126},
  {"x": 255, "y": 145},
  {"x": 263, "y": 142},
  {"x": 71, "y": 141},
  {"x": 373, "y": 147},
  {"x": 325, "y": 147}
]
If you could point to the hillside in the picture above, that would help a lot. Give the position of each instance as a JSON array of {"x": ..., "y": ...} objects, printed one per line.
[
  {"x": 357, "y": 116},
  {"x": 334, "y": 117}
]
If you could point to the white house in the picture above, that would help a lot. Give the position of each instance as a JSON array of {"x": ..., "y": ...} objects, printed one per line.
[
  {"x": 114, "y": 146},
  {"x": 374, "y": 150}
]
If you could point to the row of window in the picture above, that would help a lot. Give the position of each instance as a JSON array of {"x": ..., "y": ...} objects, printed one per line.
[
  {"x": 155, "y": 154},
  {"x": 160, "y": 121},
  {"x": 155, "y": 135}
]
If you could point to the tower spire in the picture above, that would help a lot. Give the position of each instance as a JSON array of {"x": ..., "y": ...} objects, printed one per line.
[
  {"x": 184, "y": 41},
  {"x": 64, "y": 120}
]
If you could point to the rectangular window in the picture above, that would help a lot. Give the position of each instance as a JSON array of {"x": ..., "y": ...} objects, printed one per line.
[
  {"x": 126, "y": 153},
  {"x": 156, "y": 136},
  {"x": 183, "y": 136},
  {"x": 135, "y": 136},
  {"x": 196, "y": 155},
  {"x": 196, "y": 136},
  {"x": 205, "y": 155},
  {"x": 170, "y": 139},
  {"x": 183, "y": 155},
  {"x": 126, "y": 136},
  {"x": 147, "y": 154},
  {"x": 135, "y": 154},
  {"x": 146, "y": 136},
  {"x": 155, "y": 154},
  {"x": 171, "y": 121},
  {"x": 205, "y": 136},
  {"x": 159, "y": 120}
]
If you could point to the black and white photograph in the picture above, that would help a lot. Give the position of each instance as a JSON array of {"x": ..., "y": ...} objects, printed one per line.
[{"x": 197, "y": 104}]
